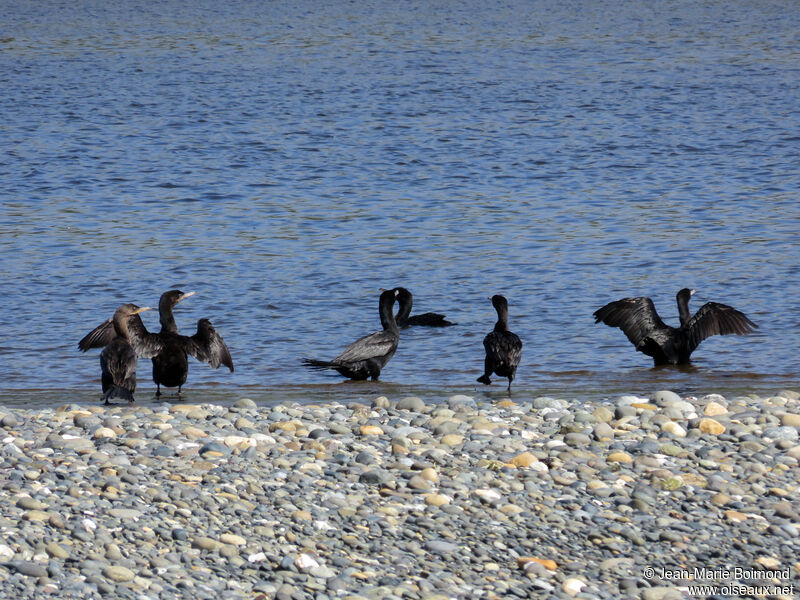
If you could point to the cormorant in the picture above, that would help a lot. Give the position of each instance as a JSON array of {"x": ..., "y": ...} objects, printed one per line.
[
  {"x": 168, "y": 348},
  {"x": 428, "y": 319},
  {"x": 503, "y": 348},
  {"x": 638, "y": 319},
  {"x": 118, "y": 359},
  {"x": 366, "y": 356}
]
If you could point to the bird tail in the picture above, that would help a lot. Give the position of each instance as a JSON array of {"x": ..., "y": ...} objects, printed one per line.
[
  {"x": 313, "y": 363},
  {"x": 116, "y": 391}
]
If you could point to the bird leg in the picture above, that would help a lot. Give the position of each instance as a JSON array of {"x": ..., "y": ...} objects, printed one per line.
[
  {"x": 488, "y": 367},
  {"x": 374, "y": 369}
]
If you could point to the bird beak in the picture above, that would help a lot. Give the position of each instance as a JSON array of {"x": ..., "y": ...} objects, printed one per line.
[
  {"x": 186, "y": 295},
  {"x": 142, "y": 309},
  {"x": 691, "y": 292}
]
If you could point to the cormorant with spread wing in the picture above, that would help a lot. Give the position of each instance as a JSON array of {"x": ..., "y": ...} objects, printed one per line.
[
  {"x": 638, "y": 319},
  {"x": 366, "y": 356},
  {"x": 118, "y": 359},
  {"x": 168, "y": 348},
  {"x": 503, "y": 348}
]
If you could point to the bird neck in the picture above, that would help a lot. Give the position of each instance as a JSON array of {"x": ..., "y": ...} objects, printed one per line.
[
  {"x": 168, "y": 324},
  {"x": 387, "y": 316},
  {"x": 683, "y": 310},
  {"x": 404, "y": 310},
  {"x": 502, "y": 320},
  {"x": 121, "y": 327}
]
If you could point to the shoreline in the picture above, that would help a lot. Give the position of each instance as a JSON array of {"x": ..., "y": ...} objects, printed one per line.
[{"x": 401, "y": 498}]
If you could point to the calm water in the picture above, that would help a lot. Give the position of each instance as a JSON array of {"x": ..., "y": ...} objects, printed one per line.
[{"x": 288, "y": 161}]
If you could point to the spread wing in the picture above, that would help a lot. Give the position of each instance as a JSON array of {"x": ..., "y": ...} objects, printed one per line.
[
  {"x": 99, "y": 337},
  {"x": 714, "y": 318},
  {"x": 369, "y": 346},
  {"x": 637, "y": 317},
  {"x": 145, "y": 344},
  {"x": 208, "y": 346}
]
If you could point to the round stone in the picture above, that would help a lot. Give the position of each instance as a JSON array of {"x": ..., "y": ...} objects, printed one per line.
[
  {"x": 714, "y": 409},
  {"x": 205, "y": 543},
  {"x": 381, "y": 402},
  {"x": 118, "y": 573},
  {"x": 411, "y": 403},
  {"x": 104, "y": 433},
  {"x": 56, "y": 550},
  {"x": 673, "y": 428},
  {"x": 523, "y": 460},
  {"x": 573, "y": 586},
  {"x": 665, "y": 398},
  {"x": 711, "y": 426},
  {"x": 232, "y": 539},
  {"x": 783, "y": 433},
  {"x": 452, "y": 439},
  {"x": 371, "y": 430},
  {"x": 790, "y": 420},
  {"x": 436, "y": 499},
  {"x": 619, "y": 457}
]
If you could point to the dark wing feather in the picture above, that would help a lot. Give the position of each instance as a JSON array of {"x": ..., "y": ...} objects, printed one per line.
[
  {"x": 428, "y": 319},
  {"x": 145, "y": 344},
  {"x": 118, "y": 363},
  {"x": 99, "y": 337},
  {"x": 208, "y": 346},
  {"x": 714, "y": 318},
  {"x": 370, "y": 346},
  {"x": 637, "y": 317},
  {"x": 504, "y": 347}
]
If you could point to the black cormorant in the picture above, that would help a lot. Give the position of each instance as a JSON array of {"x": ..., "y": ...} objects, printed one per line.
[
  {"x": 168, "y": 348},
  {"x": 503, "y": 348},
  {"x": 118, "y": 359},
  {"x": 366, "y": 356},
  {"x": 638, "y": 319},
  {"x": 403, "y": 318}
]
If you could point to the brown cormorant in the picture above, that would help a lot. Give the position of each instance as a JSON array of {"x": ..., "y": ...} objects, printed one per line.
[
  {"x": 503, "y": 348},
  {"x": 168, "y": 348},
  {"x": 366, "y": 356},
  {"x": 638, "y": 319},
  {"x": 403, "y": 318},
  {"x": 118, "y": 359}
]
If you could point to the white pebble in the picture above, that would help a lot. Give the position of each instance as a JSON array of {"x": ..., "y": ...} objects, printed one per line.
[
  {"x": 89, "y": 525},
  {"x": 305, "y": 562},
  {"x": 573, "y": 586},
  {"x": 488, "y": 495},
  {"x": 673, "y": 428},
  {"x": 323, "y": 526}
]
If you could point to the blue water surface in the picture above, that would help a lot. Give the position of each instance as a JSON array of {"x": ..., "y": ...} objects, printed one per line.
[{"x": 288, "y": 160}]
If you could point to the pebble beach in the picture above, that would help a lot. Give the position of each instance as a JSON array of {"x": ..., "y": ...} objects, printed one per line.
[{"x": 398, "y": 498}]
